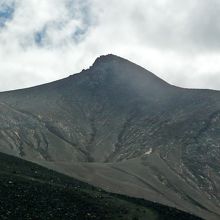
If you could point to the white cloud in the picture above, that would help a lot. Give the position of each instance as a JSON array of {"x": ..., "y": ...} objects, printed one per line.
[{"x": 50, "y": 39}]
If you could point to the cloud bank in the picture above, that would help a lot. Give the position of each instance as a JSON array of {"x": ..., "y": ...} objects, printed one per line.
[{"x": 45, "y": 40}]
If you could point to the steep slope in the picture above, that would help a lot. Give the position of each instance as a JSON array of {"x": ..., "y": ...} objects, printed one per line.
[
  {"x": 118, "y": 126},
  {"x": 29, "y": 191}
]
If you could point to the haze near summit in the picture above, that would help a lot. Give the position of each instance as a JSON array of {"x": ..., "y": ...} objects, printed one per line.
[{"x": 41, "y": 41}]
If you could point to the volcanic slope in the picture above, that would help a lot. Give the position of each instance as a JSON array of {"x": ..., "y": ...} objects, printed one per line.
[
  {"x": 120, "y": 127},
  {"x": 29, "y": 191}
]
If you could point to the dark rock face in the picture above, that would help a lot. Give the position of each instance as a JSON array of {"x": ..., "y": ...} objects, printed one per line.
[{"x": 117, "y": 122}]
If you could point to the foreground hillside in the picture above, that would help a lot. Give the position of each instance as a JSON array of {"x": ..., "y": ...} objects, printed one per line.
[
  {"x": 28, "y": 191},
  {"x": 119, "y": 127}
]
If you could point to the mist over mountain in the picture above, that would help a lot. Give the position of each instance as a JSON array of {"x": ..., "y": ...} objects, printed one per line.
[{"x": 120, "y": 127}]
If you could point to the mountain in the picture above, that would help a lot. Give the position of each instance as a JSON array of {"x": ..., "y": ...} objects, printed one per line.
[
  {"x": 29, "y": 191},
  {"x": 120, "y": 127}
]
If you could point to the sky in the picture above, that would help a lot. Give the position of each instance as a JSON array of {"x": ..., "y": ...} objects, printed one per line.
[{"x": 46, "y": 40}]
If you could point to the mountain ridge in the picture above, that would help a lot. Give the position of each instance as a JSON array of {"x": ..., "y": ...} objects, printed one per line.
[
  {"x": 103, "y": 59},
  {"x": 109, "y": 58}
]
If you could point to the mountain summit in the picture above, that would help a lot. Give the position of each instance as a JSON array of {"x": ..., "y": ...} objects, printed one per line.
[{"x": 120, "y": 127}]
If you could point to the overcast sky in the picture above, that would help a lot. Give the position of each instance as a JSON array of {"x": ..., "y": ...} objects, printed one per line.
[{"x": 45, "y": 40}]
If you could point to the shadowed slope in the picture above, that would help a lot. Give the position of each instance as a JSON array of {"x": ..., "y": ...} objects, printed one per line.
[{"x": 29, "y": 191}]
